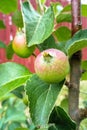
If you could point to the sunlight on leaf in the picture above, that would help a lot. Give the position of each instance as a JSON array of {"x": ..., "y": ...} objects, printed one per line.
[
  {"x": 38, "y": 27},
  {"x": 77, "y": 42},
  {"x": 12, "y": 75}
]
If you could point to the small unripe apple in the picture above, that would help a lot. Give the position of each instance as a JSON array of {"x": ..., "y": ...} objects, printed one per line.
[
  {"x": 51, "y": 65},
  {"x": 20, "y": 47}
]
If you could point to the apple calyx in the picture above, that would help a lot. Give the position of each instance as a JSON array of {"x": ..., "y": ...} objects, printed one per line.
[{"x": 47, "y": 57}]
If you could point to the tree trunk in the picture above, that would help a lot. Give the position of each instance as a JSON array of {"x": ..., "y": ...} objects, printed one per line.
[{"x": 75, "y": 61}]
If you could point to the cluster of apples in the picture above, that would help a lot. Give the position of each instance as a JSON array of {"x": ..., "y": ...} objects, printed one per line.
[{"x": 51, "y": 65}]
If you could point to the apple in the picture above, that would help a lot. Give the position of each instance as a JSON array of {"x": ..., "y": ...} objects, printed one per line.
[
  {"x": 20, "y": 47},
  {"x": 52, "y": 65}
]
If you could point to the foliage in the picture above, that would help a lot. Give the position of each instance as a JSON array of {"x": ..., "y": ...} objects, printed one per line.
[
  {"x": 7, "y": 7},
  {"x": 84, "y": 68},
  {"x": 77, "y": 42},
  {"x": 2, "y": 25},
  {"x": 12, "y": 108},
  {"x": 9, "y": 51},
  {"x": 61, "y": 120},
  {"x": 62, "y": 30},
  {"x": 12, "y": 76},
  {"x": 40, "y": 29},
  {"x": 17, "y": 18},
  {"x": 39, "y": 94}
]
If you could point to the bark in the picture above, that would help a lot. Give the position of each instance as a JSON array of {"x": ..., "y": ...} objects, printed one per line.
[
  {"x": 74, "y": 87},
  {"x": 75, "y": 61}
]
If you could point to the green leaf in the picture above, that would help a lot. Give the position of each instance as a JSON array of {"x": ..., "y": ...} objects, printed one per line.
[
  {"x": 19, "y": 91},
  {"x": 42, "y": 97},
  {"x": 17, "y": 19},
  {"x": 9, "y": 51},
  {"x": 48, "y": 43},
  {"x": 8, "y": 6},
  {"x": 84, "y": 10},
  {"x": 1, "y": 111},
  {"x": 63, "y": 34},
  {"x": 64, "y": 17},
  {"x": 2, "y": 120},
  {"x": 2, "y": 45},
  {"x": 2, "y": 25},
  {"x": 77, "y": 42},
  {"x": 46, "y": 128},
  {"x": 83, "y": 124},
  {"x": 12, "y": 125},
  {"x": 22, "y": 129},
  {"x": 67, "y": 8},
  {"x": 38, "y": 27},
  {"x": 64, "y": 104},
  {"x": 43, "y": 1},
  {"x": 61, "y": 46},
  {"x": 85, "y": 103},
  {"x": 61, "y": 120},
  {"x": 12, "y": 75},
  {"x": 53, "y": 127},
  {"x": 13, "y": 114},
  {"x": 84, "y": 68},
  {"x": 57, "y": 8}
]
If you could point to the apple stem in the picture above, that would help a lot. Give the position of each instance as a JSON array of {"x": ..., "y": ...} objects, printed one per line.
[{"x": 47, "y": 56}]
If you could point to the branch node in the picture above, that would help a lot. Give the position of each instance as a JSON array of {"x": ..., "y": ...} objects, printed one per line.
[
  {"x": 67, "y": 84},
  {"x": 71, "y": 85},
  {"x": 82, "y": 114}
]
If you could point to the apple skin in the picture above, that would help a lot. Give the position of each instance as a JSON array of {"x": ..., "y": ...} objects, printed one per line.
[
  {"x": 20, "y": 47},
  {"x": 52, "y": 65}
]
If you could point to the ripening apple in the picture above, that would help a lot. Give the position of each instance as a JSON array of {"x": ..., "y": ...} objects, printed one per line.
[
  {"x": 20, "y": 47},
  {"x": 52, "y": 65}
]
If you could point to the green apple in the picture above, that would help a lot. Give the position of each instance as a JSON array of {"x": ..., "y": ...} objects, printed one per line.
[
  {"x": 52, "y": 65},
  {"x": 20, "y": 47}
]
